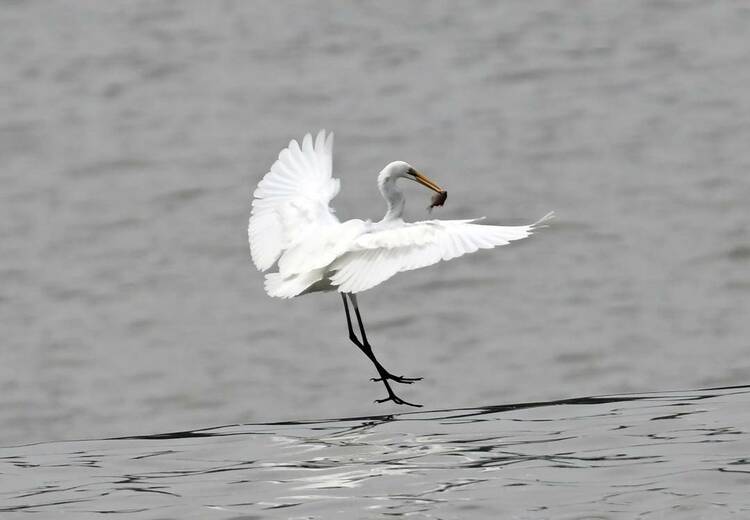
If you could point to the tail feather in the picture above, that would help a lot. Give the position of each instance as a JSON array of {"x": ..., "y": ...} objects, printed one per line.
[{"x": 280, "y": 286}]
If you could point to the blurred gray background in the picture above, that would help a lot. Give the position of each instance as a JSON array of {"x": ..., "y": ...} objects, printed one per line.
[{"x": 133, "y": 133}]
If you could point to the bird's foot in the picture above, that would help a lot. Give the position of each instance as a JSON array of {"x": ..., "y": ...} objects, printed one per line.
[
  {"x": 396, "y": 399},
  {"x": 398, "y": 379}
]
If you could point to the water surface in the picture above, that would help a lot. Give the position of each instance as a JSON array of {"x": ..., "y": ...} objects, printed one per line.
[
  {"x": 666, "y": 455},
  {"x": 133, "y": 132}
]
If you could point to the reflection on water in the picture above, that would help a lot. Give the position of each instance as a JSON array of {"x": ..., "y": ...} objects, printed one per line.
[{"x": 673, "y": 454}]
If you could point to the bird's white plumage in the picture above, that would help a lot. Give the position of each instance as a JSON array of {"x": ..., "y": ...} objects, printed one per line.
[
  {"x": 292, "y": 223},
  {"x": 292, "y": 199},
  {"x": 379, "y": 254}
]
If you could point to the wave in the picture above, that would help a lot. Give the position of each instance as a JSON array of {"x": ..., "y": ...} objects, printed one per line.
[{"x": 654, "y": 454}]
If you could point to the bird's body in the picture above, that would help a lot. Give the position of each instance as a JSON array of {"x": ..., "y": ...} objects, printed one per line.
[{"x": 292, "y": 225}]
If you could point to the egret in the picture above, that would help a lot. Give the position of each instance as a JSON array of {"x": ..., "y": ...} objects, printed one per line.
[{"x": 293, "y": 226}]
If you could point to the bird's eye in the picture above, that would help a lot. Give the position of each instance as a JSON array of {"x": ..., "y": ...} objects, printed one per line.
[{"x": 411, "y": 171}]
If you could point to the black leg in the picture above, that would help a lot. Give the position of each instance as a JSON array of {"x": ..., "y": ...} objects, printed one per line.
[
  {"x": 367, "y": 350},
  {"x": 388, "y": 375}
]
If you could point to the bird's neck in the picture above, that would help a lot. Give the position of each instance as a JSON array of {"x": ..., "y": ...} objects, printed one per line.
[{"x": 394, "y": 197}]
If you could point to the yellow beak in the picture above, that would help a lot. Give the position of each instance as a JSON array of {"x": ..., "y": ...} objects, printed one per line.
[{"x": 425, "y": 181}]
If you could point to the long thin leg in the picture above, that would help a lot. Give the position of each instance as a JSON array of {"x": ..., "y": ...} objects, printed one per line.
[
  {"x": 388, "y": 375},
  {"x": 367, "y": 350}
]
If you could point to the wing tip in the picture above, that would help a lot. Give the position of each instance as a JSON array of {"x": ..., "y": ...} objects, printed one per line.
[{"x": 541, "y": 223}]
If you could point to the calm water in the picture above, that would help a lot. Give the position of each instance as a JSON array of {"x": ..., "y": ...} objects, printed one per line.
[
  {"x": 651, "y": 456},
  {"x": 132, "y": 134}
]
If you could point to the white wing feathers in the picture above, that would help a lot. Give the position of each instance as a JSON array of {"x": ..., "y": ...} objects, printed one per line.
[
  {"x": 292, "y": 198},
  {"x": 292, "y": 223},
  {"x": 378, "y": 255}
]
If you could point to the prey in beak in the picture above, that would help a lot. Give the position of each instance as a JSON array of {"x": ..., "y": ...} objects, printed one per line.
[{"x": 440, "y": 194}]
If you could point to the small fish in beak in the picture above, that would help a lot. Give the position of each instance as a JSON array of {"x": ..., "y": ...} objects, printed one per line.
[
  {"x": 438, "y": 199},
  {"x": 440, "y": 194}
]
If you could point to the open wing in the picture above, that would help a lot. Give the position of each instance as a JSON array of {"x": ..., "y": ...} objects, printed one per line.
[
  {"x": 380, "y": 254},
  {"x": 293, "y": 196}
]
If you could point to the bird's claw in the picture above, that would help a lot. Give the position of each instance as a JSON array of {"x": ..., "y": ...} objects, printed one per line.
[
  {"x": 398, "y": 379},
  {"x": 397, "y": 400}
]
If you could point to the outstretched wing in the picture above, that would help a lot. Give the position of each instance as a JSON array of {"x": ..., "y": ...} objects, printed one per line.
[
  {"x": 380, "y": 254},
  {"x": 293, "y": 196}
]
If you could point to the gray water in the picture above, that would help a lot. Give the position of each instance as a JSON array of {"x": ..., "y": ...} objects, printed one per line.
[
  {"x": 133, "y": 133},
  {"x": 651, "y": 456}
]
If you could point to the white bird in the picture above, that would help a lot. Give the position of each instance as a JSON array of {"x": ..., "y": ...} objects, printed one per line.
[{"x": 292, "y": 225}]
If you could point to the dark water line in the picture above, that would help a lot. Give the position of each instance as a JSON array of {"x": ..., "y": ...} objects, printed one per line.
[
  {"x": 367, "y": 421},
  {"x": 645, "y": 453}
]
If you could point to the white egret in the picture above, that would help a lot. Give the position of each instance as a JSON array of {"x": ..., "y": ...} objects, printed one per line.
[{"x": 292, "y": 225}]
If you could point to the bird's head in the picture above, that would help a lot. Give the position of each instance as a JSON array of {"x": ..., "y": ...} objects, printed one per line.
[{"x": 398, "y": 169}]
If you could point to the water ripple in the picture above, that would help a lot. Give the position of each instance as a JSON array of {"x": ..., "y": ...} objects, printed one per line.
[{"x": 655, "y": 454}]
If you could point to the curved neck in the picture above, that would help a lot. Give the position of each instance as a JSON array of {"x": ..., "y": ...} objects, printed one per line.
[{"x": 393, "y": 197}]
